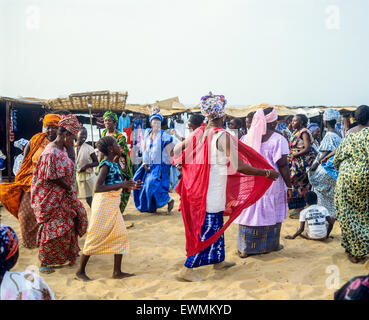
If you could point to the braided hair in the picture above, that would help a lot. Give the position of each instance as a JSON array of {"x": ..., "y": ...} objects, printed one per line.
[{"x": 104, "y": 143}]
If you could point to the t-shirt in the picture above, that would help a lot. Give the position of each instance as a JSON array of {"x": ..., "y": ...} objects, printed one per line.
[
  {"x": 315, "y": 216},
  {"x": 84, "y": 158}
]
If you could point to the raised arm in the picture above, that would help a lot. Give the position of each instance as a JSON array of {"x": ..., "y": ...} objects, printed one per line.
[{"x": 225, "y": 143}]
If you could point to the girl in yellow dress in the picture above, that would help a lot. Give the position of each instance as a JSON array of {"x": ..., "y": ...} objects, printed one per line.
[{"x": 107, "y": 233}]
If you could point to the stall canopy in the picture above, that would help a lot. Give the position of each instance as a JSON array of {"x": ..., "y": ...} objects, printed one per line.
[
  {"x": 96, "y": 101},
  {"x": 167, "y": 107}
]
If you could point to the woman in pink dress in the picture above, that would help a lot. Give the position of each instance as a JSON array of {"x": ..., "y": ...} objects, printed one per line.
[{"x": 260, "y": 224}]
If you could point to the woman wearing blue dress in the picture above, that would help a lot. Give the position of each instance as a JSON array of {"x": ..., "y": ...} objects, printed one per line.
[{"x": 155, "y": 169}]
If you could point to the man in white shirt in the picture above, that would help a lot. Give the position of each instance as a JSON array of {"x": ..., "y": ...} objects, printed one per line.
[{"x": 319, "y": 222}]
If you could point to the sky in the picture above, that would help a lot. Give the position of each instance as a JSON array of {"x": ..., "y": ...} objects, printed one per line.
[{"x": 290, "y": 52}]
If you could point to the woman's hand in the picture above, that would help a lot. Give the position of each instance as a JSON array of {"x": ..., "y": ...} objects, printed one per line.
[
  {"x": 325, "y": 159},
  {"x": 146, "y": 167},
  {"x": 273, "y": 175},
  {"x": 289, "y": 195},
  {"x": 69, "y": 191},
  {"x": 83, "y": 169},
  {"x": 132, "y": 185}
]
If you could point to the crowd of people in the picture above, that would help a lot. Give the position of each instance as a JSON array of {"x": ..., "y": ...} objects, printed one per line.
[{"x": 252, "y": 173}]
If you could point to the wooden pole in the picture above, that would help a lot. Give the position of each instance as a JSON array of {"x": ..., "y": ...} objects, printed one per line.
[
  {"x": 89, "y": 104},
  {"x": 92, "y": 131},
  {"x": 8, "y": 154}
]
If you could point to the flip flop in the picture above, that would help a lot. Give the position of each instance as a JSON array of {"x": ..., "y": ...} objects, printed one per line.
[
  {"x": 242, "y": 255},
  {"x": 295, "y": 215},
  {"x": 47, "y": 270}
]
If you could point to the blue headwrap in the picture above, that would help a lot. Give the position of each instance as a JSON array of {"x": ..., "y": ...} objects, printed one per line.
[
  {"x": 8, "y": 246},
  {"x": 157, "y": 116},
  {"x": 312, "y": 127},
  {"x": 331, "y": 114}
]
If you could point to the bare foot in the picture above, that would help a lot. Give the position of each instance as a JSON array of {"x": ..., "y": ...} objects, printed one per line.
[
  {"x": 129, "y": 225},
  {"x": 190, "y": 275},
  {"x": 223, "y": 265},
  {"x": 356, "y": 259},
  {"x": 122, "y": 275},
  {"x": 82, "y": 276}
]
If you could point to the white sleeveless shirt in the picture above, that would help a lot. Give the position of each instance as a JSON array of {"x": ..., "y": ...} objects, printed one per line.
[{"x": 216, "y": 196}]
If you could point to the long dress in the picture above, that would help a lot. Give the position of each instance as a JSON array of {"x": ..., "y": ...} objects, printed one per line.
[
  {"x": 125, "y": 164},
  {"x": 61, "y": 216},
  {"x": 155, "y": 192},
  {"x": 210, "y": 189},
  {"x": 215, "y": 206},
  {"x": 107, "y": 232},
  {"x": 260, "y": 224},
  {"x": 298, "y": 169},
  {"x": 321, "y": 181},
  {"x": 16, "y": 196},
  {"x": 352, "y": 192}
]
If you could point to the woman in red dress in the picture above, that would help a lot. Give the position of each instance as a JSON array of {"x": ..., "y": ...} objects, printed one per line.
[{"x": 61, "y": 216}]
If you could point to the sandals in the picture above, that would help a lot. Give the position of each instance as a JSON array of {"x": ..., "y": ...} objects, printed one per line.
[
  {"x": 242, "y": 255},
  {"x": 295, "y": 215},
  {"x": 47, "y": 270}
]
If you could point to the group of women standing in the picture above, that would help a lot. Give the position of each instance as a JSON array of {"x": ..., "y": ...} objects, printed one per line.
[
  {"x": 336, "y": 169},
  {"x": 252, "y": 180}
]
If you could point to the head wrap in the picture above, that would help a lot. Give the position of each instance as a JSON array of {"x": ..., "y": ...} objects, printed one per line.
[
  {"x": 212, "y": 106},
  {"x": 312, "y": 126},
  {"x": 70, "y": 123},
  {"x": 157, "y": 116},
  {"x": 51, "y": 119},
  {"x": 258, "y": 127},
  {"x": 155, "y": 109},
  {"x": 21, "y": 143},
  {"x": 8, "y": 246},
  {"x": 111, "y": 115},
  {"x": 331, "y": 114}
]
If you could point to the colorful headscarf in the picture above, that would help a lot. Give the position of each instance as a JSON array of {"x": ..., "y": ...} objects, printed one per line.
[
  {"x": 8, "y": 246},
  {"x": 331, "y": 114},
  {"x": 156, "y": 116},
  {"x": 259, "y": 127},
  {"x": 212, "y": 106},
  {"x": 21, "y": 143},
  {"x": 70, "y": 123},
  {"x": 51, "y": 119},
  {"x": 312, "y": 126},
  {"x": 111, "y": 115},
  {"x": 155, "y": 109}
]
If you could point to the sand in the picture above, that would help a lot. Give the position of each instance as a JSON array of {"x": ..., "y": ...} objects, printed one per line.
[{"x": 302, "y": 270}]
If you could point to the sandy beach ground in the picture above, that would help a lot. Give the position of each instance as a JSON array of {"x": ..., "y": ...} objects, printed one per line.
[{"x": 302, "y": 270}]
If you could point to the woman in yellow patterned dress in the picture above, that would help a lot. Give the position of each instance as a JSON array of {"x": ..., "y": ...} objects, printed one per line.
[
  {"x": 352, "y": 189},
  {"x": 107, "y": 233}
]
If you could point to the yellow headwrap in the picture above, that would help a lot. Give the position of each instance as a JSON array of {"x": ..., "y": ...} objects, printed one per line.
[{"x": 51, "y": 119}]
